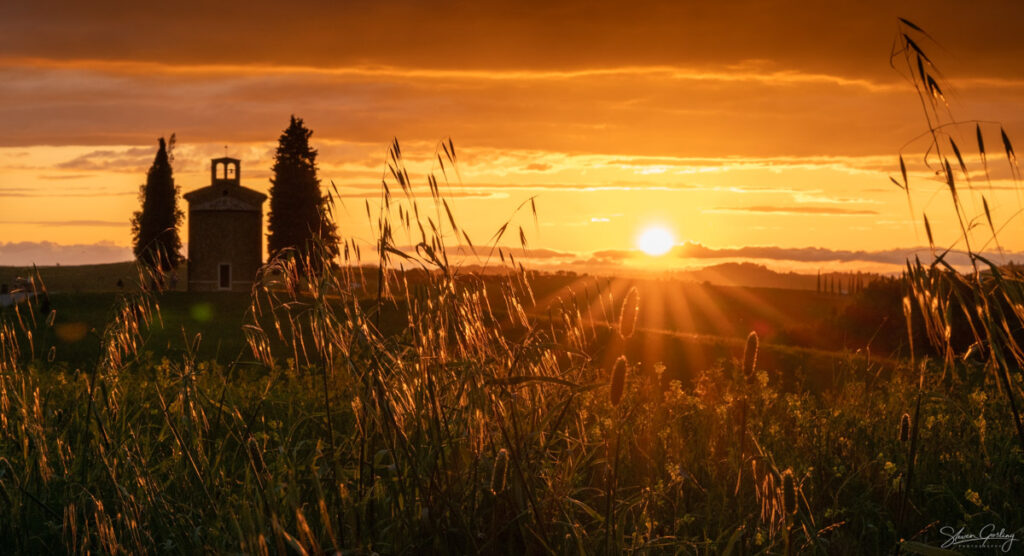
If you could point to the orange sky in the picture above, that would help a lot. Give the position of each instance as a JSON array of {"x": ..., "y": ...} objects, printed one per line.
[{"x": 758, "y": 130}]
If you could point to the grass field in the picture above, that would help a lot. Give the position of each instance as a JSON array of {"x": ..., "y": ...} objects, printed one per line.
[
  {"x": 689, "y": 326},
  {"x": 454, "y": 415},
  {"x": 79, "y": 279}
]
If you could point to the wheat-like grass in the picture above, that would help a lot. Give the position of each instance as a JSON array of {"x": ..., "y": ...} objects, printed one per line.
[
  {"x": 629, "y": 313},
  {"x": 750, "y": 356},
  {"x": 789, "y": 494},
  {"x": 618, "y": 380}
]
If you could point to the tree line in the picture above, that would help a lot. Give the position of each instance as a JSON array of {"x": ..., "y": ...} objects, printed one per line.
[
  {"x": 297, "y": 219},
  {"x": 844, "y": 283}
]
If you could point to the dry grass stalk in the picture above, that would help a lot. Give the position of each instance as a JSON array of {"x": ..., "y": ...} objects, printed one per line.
[
  {"x": 789, "y": 492},
  {"x": 629, "y": 313},
  {"x": 618, "y": 380},
  {"x": 499, "y": 472},
  {"x": 750, "y": 356}
]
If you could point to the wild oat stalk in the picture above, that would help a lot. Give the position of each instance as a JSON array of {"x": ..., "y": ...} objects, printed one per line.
[
  {"x": 612, "y": 483},
  {"x": 991, "y": 297},
  {"x": 749, "y": 374}
]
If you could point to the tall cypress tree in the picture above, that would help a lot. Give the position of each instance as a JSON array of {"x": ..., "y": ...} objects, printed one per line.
[
  {"x": 155, "y": 227},
  {"x": 297, "y": 207}
]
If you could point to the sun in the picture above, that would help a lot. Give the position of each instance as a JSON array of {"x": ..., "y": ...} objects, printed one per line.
[{"x": 655, "y": 241}]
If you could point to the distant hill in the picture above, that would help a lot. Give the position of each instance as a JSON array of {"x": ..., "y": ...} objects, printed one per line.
[
  {"x": 104, "y": 277},
  {"x": 750, "y": 275}
]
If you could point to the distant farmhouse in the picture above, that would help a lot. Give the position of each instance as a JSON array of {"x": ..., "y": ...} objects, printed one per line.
[{"x": 225, "y": 231}]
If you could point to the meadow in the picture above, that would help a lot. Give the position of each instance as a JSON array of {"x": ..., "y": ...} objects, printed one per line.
[
  {"x": 470, "y": 430},
  {"x": 717, "y": 317},
  {"x": 414, "y": 407}
]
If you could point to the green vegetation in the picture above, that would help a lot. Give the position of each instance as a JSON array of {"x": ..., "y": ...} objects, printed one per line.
[
  {"x": 486, "y": 441},
  {"x": 76, "y": 279}
]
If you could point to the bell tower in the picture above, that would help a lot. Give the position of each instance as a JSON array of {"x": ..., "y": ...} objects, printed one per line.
[{"x": 225, "y": 171}]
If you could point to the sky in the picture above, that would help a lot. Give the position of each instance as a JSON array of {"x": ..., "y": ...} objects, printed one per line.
[{"x": 756, "y": 131}]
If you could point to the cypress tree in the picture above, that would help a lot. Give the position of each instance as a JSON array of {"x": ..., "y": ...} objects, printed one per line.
[
  {"x": 155, "y": 227},
  {"x": 298, "y": 214}
]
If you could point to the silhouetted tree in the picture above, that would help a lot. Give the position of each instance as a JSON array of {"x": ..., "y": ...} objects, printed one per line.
[
  {"x": 155, "y": 227},
  {"x": 297, "y": 207}
]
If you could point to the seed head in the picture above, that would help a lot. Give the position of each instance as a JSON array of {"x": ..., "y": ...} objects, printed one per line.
[
  {"x": 750, "y": 356},
  {"x": 500, "y": 469},
  {"x": 905, "y": 428},
  {"x": 618, "y": 380},
  {"x": 788, "y": 492},
  {"x": 628, "y": 313}
]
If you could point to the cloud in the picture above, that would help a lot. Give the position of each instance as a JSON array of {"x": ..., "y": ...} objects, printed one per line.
[
  {"x": 805, "y": 197},
  {"x": 540, "y": 253},
  {"x": 64, "y": 176},
  {"x": 820, "y": 254},
  {"x": 70, "y": 223},
  {"x": 24, "y": 253},
  {"x": 897, "y": 257},
  {"x": 596, "y": 111},
  {"x": 851, "y": 38},
  {"x": 616, "y": 254},
  {"x": 483, "y": 252},
  {"x": 636, "y": 113},
  {"x": 796, "y": 210},
  {"x": 733, "y": 80},
  {"x": 64, "y": 192},
  {"x": 568, "y": 186},
  {"x": 133, "y": 160},
  {"x": 694, "y": 250},
  {"x": 376, "y": 193}
]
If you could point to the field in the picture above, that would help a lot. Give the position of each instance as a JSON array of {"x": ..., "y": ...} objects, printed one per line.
[
  {"x": 689, "y": 326},
  {"x": 454, "y": 415}
]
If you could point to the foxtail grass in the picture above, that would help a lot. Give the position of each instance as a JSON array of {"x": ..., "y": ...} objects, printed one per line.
[
  {"x": 499, "y": 472},
  {"x": 617, "y": 384},
  {"x": 750, "y": 357},
  {"x": 629, "y": 313}
]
